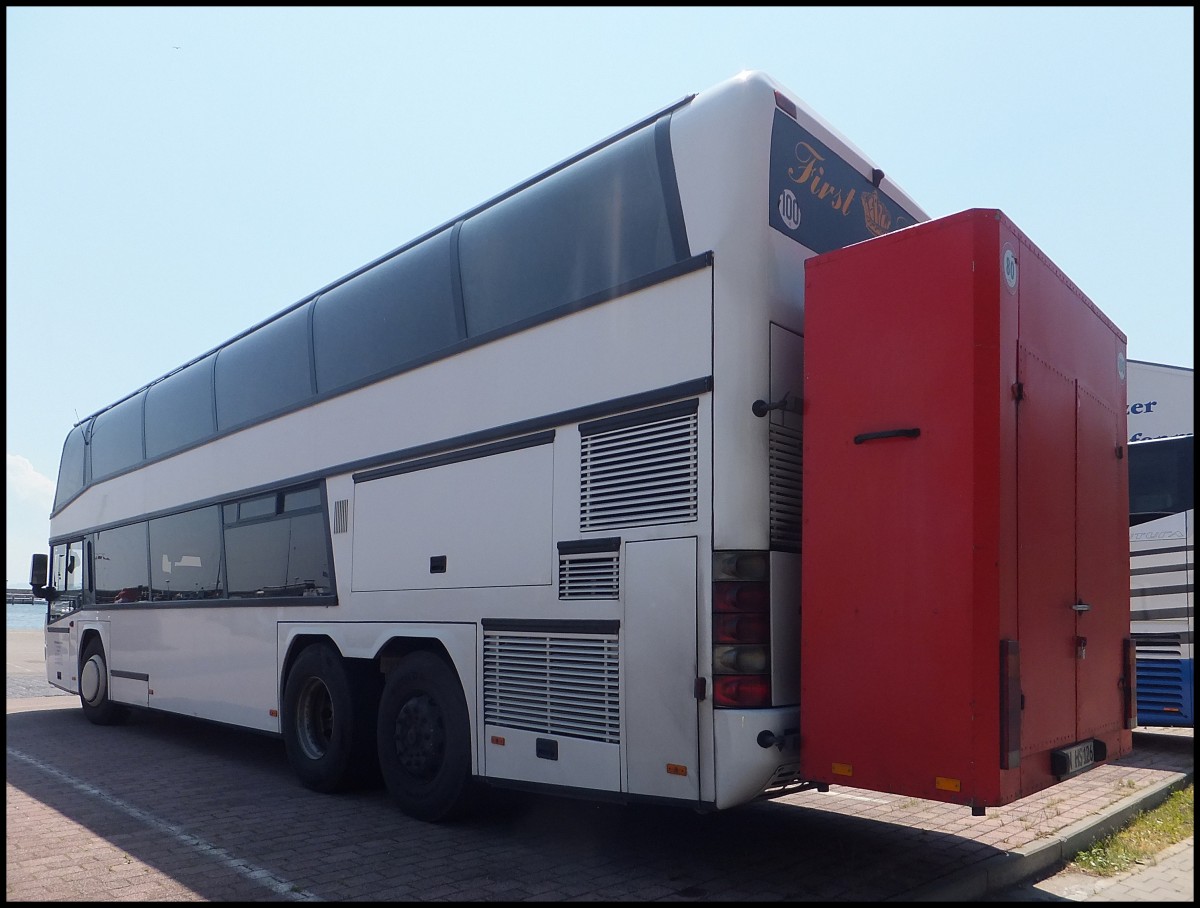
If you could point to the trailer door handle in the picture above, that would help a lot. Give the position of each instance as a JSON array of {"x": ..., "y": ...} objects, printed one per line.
[{"x": 889, "y": 433}]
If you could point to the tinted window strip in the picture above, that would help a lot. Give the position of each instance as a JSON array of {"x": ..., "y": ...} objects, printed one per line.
[
  {"x": 670, "y": 185},
  {"x": 456, "y": 286},
  {"x": 645, "y": 121},
  {"x": 695, "y": 263}
]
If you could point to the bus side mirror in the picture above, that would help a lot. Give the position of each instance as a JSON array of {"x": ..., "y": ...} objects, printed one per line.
[{"x": 39, "y": 571}]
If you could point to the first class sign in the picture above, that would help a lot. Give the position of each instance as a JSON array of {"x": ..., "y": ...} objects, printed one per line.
[{"x": 818, "y": 199}]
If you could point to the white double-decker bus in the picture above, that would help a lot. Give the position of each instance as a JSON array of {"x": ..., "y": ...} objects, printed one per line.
[{"x": 517, "y": 502}]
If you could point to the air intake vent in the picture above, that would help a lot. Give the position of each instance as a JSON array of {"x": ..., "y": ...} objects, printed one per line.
[
  {"x": 1160, "y": 687},
  {"x": 1158, "y": 646},
  {"x": 553, "y": 684},
  {"x": 640, "y": 468},
  {"x": 785, "y": 479},
  {"x": 589, "y": 569},
  {"x": 341, "y": 515}
]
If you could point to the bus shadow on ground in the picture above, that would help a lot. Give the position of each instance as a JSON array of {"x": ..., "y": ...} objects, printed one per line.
[{"x": 219, "y": 811}]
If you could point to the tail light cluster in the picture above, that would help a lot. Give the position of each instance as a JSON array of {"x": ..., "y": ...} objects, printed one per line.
[{"x": 741, "y": 629}]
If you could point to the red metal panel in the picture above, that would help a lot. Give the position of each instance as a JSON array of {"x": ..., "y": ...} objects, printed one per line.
[
  {"x": 1072, "y": 353},
  {"x": 889, "y": 606},
  {"x": 1102, "y": 566},
  {"x": 1046, "y": 558},
  {"x": 929, "y": 553}
]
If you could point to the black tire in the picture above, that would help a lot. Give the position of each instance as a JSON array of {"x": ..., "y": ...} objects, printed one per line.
[
  {"x": 327, "y": 732},
  {"x": 425, "y": 740},
  {"x": 93, "y": 687}
]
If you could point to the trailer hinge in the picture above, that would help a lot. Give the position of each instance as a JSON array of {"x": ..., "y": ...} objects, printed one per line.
[
  {"x": 700, "y": 689},
  {"x": 1018, "y": 391}
]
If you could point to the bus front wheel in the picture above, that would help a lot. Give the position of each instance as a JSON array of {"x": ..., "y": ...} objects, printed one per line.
[
  {"x": 93, "y": 687},
  {"x": 325, "y": 730},
  {"x": 424, "y": 739}
]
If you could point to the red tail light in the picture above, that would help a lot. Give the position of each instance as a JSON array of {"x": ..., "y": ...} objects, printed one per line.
[
  {"x": 747, "y": 596},
  {"x": 742, "y": 690},
  {"x": 741, "y": 630}
]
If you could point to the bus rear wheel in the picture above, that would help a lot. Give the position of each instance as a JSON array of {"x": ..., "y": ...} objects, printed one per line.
[
  {"x": 424, "y": 739},
  {"x": 327, "y": 733},
  {"x": 93, "y": 687}
]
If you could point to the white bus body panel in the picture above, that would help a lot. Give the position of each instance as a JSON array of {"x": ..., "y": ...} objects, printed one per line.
[
  {"x": 62, "y": 655},
  {"x": 510, "y": 754},
  {"x": 744, "y": 767},
  {"x": 464, "y": 513},
  {"x": 213, "y": 663},
  {"x": 659, "y": 659}
]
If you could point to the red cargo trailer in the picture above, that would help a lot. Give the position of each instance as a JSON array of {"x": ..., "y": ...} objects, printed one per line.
[{"x": 964, "y": 629}]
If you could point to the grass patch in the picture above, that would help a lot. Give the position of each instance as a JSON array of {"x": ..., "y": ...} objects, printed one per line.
[{"x": 1148, "y": 833}]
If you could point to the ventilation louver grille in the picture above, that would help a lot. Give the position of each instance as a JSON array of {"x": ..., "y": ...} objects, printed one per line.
[
  {"x": 785, "y": 482},
  {"x": 1158, "y": 645},
  {"x": 341, "y": 515},
  {"x": 639, "y": 473},
  {"x": 555, "y": 685},
  {"x": 1160, "y": 687},
  {"x": 588, "y": 575}
]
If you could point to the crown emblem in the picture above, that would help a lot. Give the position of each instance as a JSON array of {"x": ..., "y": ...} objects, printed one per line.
[{"x": 875, "y": 214}]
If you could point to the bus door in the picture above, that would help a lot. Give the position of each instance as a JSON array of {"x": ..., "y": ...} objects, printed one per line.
[{"x": 62, "y": 637}]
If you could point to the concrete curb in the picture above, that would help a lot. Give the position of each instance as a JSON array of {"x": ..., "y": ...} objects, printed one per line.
[{"x": 1003, "y": 871}]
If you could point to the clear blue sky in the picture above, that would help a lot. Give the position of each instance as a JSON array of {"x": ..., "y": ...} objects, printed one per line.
[{"x": 175, "y": 175}]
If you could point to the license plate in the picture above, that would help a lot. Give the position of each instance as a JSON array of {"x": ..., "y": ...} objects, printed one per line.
[{"x": 1070, "y": 761}]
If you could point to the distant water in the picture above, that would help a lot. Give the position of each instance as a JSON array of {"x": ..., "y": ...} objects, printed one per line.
[{"x": 23, "y": 615}]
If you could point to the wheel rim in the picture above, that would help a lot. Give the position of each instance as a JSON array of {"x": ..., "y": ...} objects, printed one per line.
[
  {"x": 314, "y": 720},
  {"x": 420, "y": 737},
  {"x": 91, "y": 681}
]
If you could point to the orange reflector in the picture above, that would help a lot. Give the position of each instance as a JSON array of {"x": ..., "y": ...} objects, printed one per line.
[
  {"x": 843, "y": 769},
  {"x": 497, "y": 739},
  {"x": 273, "y": 712},
  {"x": 947, "y": 784},
  {"x": 674, "y": 769}
]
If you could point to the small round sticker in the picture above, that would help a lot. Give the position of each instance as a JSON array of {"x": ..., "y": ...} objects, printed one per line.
[
  {"x": 1008, "y": 265},
  {"x": 1121, "y": 365}
]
